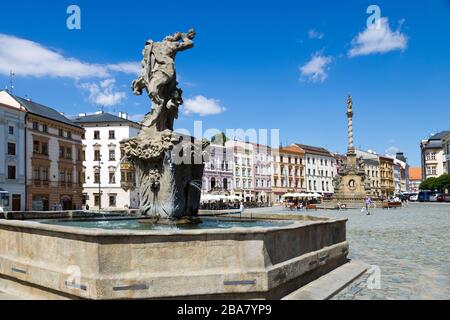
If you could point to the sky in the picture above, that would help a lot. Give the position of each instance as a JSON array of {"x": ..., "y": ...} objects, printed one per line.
[{"x": 286, "y": 65}]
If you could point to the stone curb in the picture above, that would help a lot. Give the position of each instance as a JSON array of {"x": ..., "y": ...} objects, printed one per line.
[{"x": 330, "y": 284}]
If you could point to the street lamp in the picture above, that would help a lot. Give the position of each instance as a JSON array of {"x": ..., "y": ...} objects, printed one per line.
[{"x": 99, "y": 183}]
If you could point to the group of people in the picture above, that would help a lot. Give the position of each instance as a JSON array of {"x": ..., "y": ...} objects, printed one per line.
[{"x": 299, "y": 204}]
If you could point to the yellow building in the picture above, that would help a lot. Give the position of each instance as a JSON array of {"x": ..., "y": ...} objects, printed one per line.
[
  {"x": 387, "y": 176},
  {"x": 288, "y": 171}
]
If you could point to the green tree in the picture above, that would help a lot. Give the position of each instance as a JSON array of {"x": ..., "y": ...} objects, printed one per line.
[{"x": 219, "y": 139}]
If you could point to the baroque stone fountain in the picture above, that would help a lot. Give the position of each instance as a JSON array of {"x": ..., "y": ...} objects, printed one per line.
[{"x": 169, "y": 166}]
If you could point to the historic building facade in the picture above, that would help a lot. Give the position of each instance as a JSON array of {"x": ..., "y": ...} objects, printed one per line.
[
  {"x": 319, "y": 171},
  {"x": 262, "y": 160},
  {"x": 218, "y": 171},
  {"x": 432, "y": 155},
  {"x": 242, "y": 168},
  {"x": 415, "y": 178},
  {"x": 372, "y": 168},
  {"x": 446, "y": 148},
  {"x": 52, "y": 156},
  {"x": 387, "y": 176},
  {"x": 12, "y": 153},
  {"x": 108, "y": 182},
  {"x": 288, "y": 173}
]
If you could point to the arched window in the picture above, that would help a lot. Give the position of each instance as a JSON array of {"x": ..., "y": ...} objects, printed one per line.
[
  {"x": 213, "y": 183},
  {"x": 225, "y": 184}
]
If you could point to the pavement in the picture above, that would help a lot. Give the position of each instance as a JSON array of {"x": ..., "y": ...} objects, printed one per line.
[{"x": 408, "y": 250}]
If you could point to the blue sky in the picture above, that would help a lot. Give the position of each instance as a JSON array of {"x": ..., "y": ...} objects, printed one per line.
[{"x": 256, "y": 64}]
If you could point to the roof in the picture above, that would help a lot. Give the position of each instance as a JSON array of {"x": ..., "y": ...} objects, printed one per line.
[
  {"x": 315, "y": 150},
  {"x": 101, "y": 117},
  {"x": 43, "y": 111},
  {"x": 415, "y": 173},
  {"x": 439, "y": 136},
  {"x": 295, "y": 149}
]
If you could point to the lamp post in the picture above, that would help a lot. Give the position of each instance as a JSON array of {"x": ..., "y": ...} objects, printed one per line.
[{"x": 99, "y": 183}]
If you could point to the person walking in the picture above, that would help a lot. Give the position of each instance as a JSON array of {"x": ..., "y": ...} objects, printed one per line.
[{"x": 368, "y": 202}]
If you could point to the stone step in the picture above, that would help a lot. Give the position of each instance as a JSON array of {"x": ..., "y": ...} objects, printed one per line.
[{"x": 331, "y": 283}]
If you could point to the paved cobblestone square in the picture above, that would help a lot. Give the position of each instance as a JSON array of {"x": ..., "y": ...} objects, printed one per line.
[{"x": 409, "y": 245}]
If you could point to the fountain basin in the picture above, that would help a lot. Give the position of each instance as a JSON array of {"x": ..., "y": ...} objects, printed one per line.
[{"x": 43, "y": 260}]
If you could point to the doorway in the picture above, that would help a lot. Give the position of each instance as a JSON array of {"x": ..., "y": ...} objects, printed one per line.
[
  {"x": 66, "y": 203},
  {"x": 16, "y": 200}
]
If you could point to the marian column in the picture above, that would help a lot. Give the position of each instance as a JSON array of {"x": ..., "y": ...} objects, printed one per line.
[{"x": 351, "y": 147}]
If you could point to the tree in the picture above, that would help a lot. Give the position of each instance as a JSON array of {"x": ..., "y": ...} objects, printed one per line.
[
  {"x": 219, "y": 139},
  {"x": 440, "y": 183},
  {"x": 428, "y": 184}
]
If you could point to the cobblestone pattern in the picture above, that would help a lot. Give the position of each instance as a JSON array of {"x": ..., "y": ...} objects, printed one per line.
[{"x": 409, "y": 246}]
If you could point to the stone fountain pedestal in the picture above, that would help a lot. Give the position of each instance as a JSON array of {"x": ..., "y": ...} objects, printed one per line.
[{"x": 169, "y": 169}]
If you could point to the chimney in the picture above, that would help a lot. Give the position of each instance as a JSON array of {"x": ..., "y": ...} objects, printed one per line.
[
  {"x": 123, "y": 115},
  {"x": 83, "y": 114}
]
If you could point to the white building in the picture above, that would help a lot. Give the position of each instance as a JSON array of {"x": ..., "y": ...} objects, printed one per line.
[
  {"x": 12, "y": 153},
  {"x": 433, "y": 157},
  {"x": 108, "y": 182},
  {"x": 262, "y": 160},
  {"x": 243, "y": 175},
  {"x": 319, "y": 166}
]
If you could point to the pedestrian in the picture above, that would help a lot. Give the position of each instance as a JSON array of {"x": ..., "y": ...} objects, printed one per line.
[
  {"x": 368, "y": 202},
  {"x": 87, "y": 207}
]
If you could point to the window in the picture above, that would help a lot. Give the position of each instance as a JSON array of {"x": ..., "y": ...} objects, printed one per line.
[
  {"x": 112, "y": 155},
  {"x": 69, "y": 153},
  {"x": 112, "y": 177},
  {"x": 11, "y": 172},
  {"x": 61, "y": 152},
  {"x": 35, "y": 125},
  {"x": 97, "y": 177},
  {"x": 97, "y": 155},
  {"x": 44, "y": 148},
  {"x": 45, "y": 174},
  {"x": 11, "y": 149},
  {"x": 96, "y": 199},
  {"x": 69, "y": 135},
  {"x": 11, "y": 130},
  {"x": 61, "y": 132},
  {"x": 96, "y": 135},
  {"x": 36, "y": 146},
  {"x": 112, "y": 200},
  {"x": 62, "y": 176},
  {"x": 44, "y": 128},
  {"x": 112, "y": 134}
]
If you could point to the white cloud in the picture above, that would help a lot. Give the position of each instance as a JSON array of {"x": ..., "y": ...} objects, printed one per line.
[
  {"x": 392, "y": 151},
  {"x": 378, "y": 39},
  {"x": 314, "y": 34},
  {"x": 136, "y": 117},
  {"x": 104, "y": 93},
  {"x": 316, "y": 68},
  {"x": 202, "y": 106},
  {"x": 126, "y": 67},
  {"x": 28, "y": 58}
]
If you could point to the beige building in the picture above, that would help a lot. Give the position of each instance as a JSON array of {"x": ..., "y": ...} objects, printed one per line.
[
  {"x": 387, "y": 176},
  {"x": 288, "y": 171},
  {"x": 372, "y": 168},
  {"x": 432, "y": 154}
]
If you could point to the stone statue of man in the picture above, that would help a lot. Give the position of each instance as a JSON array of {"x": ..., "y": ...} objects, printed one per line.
[{"x": 158, "y": 77}]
